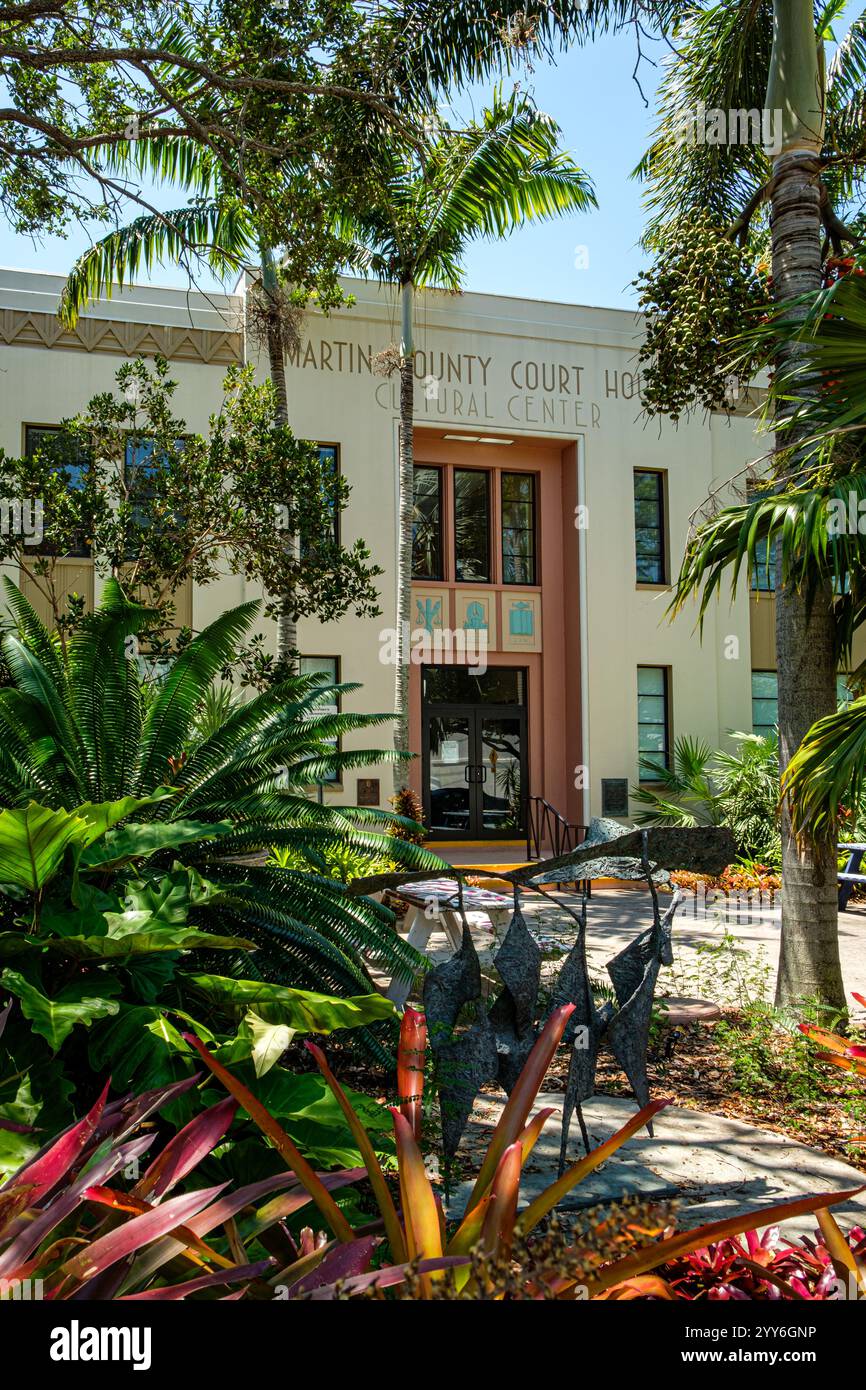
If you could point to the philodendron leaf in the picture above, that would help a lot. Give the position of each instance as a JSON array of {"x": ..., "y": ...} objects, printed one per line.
[
  {"x": 132, "y": 842},
  {"x": 300, "y": 1009},
  {"x": 54, "y": 1018},
  {"x": 152, "y": 940},
  {"x": 269, "y": 1041},
  {"x": 34, "y": 838},
  {"x": 170, "y": 897}
]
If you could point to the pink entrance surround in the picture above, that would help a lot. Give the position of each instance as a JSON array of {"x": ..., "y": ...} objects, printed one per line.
[{"x": 553, "y": 675}]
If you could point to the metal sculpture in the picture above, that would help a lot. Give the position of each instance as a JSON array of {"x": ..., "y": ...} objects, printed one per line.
[{"x": 495, "y": 1045}]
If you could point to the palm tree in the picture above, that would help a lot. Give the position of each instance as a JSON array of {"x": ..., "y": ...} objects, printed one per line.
[
  {"x": 424, "y": 207},
  {"x": 739, "y": 789},
  {"x": 744, "y": 55},
  {"x": 74, "y": 728}
]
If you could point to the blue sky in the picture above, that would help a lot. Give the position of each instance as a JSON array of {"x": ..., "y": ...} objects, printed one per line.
[{"x": 605, "y": 125}]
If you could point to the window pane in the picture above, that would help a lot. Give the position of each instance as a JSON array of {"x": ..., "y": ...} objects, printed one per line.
[
  {"x": 328, "y": 667},
  {"x": 651, "y": 680},
  {"x": 472, "y": 525},
  {"x": 764, "y": 579},
  {"x": 65, "y": 453},
  {"x": 649, "y": 528},
  {"x": 427, "y": 524},
  {"x": 765, "y": 701},
  {"x": 518, "y": 528},
  {"x": 652, "y": 717},
  {"x": 459, "y": 685}
]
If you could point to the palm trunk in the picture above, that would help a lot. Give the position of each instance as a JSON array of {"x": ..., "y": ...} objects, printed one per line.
[
  {"x": 809, "y": 966},
  {"x": 287, "y": 628},
  {"x": 406, "y": 504}
]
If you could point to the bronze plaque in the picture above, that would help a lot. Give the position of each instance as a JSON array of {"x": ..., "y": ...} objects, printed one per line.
[{"x": 368, "y": 791}]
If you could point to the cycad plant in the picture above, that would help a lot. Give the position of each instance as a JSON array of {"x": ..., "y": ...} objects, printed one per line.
[{"x": 74, "y": 729}]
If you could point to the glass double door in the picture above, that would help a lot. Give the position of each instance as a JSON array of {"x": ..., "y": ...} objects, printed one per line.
[{"x": 475, "y": 780}]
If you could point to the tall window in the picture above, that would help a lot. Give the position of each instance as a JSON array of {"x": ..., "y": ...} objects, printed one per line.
[
  {"x": 765, "y": 699},
  {"x": 472, "y": 525},
  {"x": 64, "y": 452},
  {"x": 653, "y": 718},
  {"x": 328, "y": 669},
  {"x": 518, "y": 528},
  {"x": 427, "y": 524},
  {"x": 764, "y": 574},
  {"x": 331, "y": 463},
  {"x": 649, "y": 526}
]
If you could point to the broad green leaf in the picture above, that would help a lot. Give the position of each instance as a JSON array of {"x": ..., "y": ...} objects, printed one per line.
[
  {"x": 300, "y": 1009},
  {"x": 142, "y": 1047},
  {"x": 34, "y": 838},
  {"x": 171, "y": 896},
  {"x": 269, "y": 1041},
  {"x": 54, "y": 1018},
  {"x": 22, "y": 1109},
  {"x": 132, "y": 842},
  {"x": 122, "y": 945}
]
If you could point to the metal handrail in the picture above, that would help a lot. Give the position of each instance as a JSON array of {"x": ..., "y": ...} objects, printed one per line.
[{"x": 547, "y": 826}]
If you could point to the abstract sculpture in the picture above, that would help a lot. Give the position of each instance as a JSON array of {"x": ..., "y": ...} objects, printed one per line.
[{"x": 497, "y": 1042}]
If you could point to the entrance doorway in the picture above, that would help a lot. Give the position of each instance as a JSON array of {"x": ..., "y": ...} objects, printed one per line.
[{"x": 474, "y": 752}]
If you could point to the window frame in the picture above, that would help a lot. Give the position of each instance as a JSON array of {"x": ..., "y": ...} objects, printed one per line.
[
  {"x": 533, "y": 479},
  {"x": 334, "y": 783},
  {"x": 488, "y": 475},
  {"x": 85, "y": 552},
  {"x": 661, "y": 485},
  {"x": 764, "y": 729},
  {"x": 439, "y": 577},
  {"x": 666, "y": 695}
]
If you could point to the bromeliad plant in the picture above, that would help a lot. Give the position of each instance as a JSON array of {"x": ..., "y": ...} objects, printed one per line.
[
  {"x": 84, "y": 1221},
  {"x": 839, "y": 1052},
  {"x": 489, "y": 1252}
]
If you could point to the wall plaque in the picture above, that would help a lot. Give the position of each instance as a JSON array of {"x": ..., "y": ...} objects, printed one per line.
[
  {"x": 368, "y": 791},
  {"x": 614, "y": 796}
]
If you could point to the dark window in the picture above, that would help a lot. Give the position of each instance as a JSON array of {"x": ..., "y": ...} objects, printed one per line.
[
  {"x": 518, "y": 528},
  {"x": 653, "y": 723},
  {"x": 328, "y": 668},
  {"x": 458, "y": 685},
  {"x": 65, "y": 452},
  {"x": 331, "y": 461},
  {"x": 764, "y": 574},
  {"x": 472, "y": 525},
  {"x": 649, "y": 527},
  {"x": 427, "y": 524}
]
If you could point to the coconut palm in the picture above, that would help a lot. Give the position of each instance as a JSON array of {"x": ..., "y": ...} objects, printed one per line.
[
  {"x": 74, "y": 728},
  {"x": 423, "y": 209}
]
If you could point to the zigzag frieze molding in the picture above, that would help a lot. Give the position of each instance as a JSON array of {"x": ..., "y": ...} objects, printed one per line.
[{"x": 18, "y": 328}]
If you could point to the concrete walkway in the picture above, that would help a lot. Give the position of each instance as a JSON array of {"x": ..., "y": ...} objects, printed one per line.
[
  {"x": 728, "y": 954},
  {"x": 715, "y": 1167}
]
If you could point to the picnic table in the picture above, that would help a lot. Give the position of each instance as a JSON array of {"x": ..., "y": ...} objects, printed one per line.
[
  {"x": 433, "y": 905},
  {"x": 851, "y": 873}
]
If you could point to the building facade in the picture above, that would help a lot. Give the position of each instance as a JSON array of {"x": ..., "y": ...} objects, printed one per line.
[{"x": 550, "y": 518}]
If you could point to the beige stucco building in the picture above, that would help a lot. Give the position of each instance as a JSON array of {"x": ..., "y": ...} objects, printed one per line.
[{"x": 551, "y": 517}]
